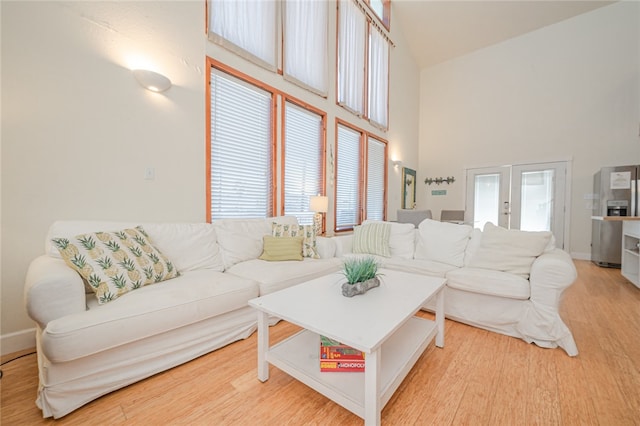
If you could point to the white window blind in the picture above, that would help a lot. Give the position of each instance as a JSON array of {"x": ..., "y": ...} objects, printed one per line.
[
  {"x": 302, "y": 161},
  {"x": 241, "y": 145},
  {"x": 375, "y": 178},
  {"x": 347, "y": 178},
  {"x": 351, "y": 48},
  {"x": 378, "y": 77},
  {"x": 247, "y": 27},
  {"x": 305, "y": 44}
]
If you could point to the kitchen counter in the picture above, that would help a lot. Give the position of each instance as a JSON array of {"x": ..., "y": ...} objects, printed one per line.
[{"x": 616, "y": 218}]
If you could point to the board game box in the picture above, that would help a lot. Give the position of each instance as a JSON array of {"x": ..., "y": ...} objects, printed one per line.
[{"x": 336, "y": 357}]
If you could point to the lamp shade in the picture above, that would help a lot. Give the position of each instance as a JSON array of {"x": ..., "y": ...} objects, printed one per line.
[
  {"x": 152, "y": 80},
  {"x": 319, "y": 203}
]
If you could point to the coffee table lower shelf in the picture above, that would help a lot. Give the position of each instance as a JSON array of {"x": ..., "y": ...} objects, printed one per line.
[{"x": 299, "y": 357}]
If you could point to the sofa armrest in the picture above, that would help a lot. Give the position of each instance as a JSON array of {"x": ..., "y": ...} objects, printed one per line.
[
  {"x": 52, "y": 290},
  {"x": 344, "y": 244},
  {"x": 325, "y": 247},
  {"x": 551, "y": 274}
]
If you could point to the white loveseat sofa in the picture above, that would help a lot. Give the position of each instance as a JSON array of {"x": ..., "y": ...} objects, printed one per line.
[
  {"x": 506, "y": 281},
  {"x": 86, "y": 349}
]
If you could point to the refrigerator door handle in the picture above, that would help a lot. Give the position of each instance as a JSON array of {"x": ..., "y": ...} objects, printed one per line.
[{"x": 634, "y": 198}]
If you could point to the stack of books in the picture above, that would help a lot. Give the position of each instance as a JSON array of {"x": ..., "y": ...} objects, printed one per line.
[{"x": 336, "y": 357}]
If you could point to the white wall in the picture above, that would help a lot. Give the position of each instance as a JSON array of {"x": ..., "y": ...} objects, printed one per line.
[
  {"x": 78, "y": 131},
  {"x": 567, "y": 91}
]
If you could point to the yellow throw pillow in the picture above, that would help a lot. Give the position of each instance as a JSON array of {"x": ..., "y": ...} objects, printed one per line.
[{"x": 282, "y": 248}]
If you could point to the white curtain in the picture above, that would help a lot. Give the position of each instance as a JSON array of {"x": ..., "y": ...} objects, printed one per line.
[
  {"x": 248, "y": 27},
  {"x": 378, "y": 78},
  {"x": 305, "y": 44},
  {"x": 351, "y": 45}
]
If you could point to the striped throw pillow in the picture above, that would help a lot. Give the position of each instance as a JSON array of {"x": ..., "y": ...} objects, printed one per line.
[{"x": 372, "y": 238}]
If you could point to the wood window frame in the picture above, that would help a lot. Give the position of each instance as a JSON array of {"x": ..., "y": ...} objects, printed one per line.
[
  {"x": 212, "y": 63},
  {"x": 323, "y": 148},
  {"x": 363, "y": 169}
]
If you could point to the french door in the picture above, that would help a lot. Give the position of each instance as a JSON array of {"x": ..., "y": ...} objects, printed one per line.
[{"x": 530, "y": 197}]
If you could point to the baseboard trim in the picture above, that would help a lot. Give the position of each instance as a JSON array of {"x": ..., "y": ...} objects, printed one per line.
[
  {"x": 17, "y": 341},
  {"x": 580, "y": 256}
]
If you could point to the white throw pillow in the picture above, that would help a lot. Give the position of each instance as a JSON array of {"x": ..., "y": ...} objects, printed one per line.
[
  {"x": 442, "y": 242},
  {"x": 509, "y": 250},
  {"x": 401, "y": 239}
]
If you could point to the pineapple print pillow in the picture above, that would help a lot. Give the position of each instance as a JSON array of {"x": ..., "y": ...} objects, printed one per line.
[
  {"x": 114, "y": 263},
  {"x": 306, "y": 231}
]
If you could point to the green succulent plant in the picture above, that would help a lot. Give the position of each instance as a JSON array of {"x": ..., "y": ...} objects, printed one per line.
[{"x": 360, "y": 269}]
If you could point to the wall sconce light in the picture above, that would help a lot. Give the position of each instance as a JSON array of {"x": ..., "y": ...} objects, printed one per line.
[
  {"x": 396, "y": 163},
  {"x": 152, "y": 80},
  {"x": 320, "y": 205},
  {"x": 439, "y": 180}
]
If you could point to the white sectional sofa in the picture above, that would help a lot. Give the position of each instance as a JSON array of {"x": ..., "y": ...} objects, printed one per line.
[{"x": 87, "y": 349}]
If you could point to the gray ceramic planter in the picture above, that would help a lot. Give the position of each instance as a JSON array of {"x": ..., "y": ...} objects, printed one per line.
[{"x": 350, "y": 290}]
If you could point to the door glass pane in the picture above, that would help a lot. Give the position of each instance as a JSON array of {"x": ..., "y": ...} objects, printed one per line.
[
  {"x": 486, "y": 200},
  {"x": 536, "y": 200}
]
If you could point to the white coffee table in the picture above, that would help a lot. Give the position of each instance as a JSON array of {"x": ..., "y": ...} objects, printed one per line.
[{"x": 381, "y": 323}]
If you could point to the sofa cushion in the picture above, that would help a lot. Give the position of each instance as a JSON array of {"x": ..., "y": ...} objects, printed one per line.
[
  {"x": 401, "y": 239},
  {"x": 509, "y": 250},
  {"x": 308, "y": 232},
  {"x": 472, "y": 246},
  {"x": 372, "y": 238},
  {"x": 241, "y": 239},
  {"x": 276, "y": 276},
  {"x": 424, "y": 267},
  {"x": 281, "y": 248},
  {"x": 417, "y": 266},
  {"x": 114, "y": 263},
  {"x": 442, "y": 242},
  {"x": 151, "y": 310},
  {"x": 190, "y": 246},
  {"x": 485, "y": 281}
]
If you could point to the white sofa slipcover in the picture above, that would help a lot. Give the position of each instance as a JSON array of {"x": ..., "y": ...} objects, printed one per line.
[
  {"x": 86, "y": 350},
  {"x": 502, "y": 302}
]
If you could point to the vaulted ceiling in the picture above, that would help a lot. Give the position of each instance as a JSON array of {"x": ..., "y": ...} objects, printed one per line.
[{"x": 437, "y": 31}]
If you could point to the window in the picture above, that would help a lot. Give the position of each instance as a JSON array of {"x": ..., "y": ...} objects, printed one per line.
[
  {"x": 351, "y": 47},
  {"x": 382, "y": 9},
  {"x": 247, "y": 27},
  {"x": 303, "y": 160},
  {"x": 348, "y": 163},
  {"x": 305, "y": 44},
  {"x": 363, "y": 50},
  {"x": 376, "y": 177},
  {"x": 357, "y": 198},
  {"x": 378, "y": 78},
  {"x": 240, "y": 176}
]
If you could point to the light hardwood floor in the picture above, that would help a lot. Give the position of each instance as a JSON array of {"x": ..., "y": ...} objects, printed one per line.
[{"x": 478, "y": 378}]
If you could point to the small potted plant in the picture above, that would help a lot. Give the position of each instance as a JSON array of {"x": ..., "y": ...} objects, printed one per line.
[{"x": 361, "y": 274}]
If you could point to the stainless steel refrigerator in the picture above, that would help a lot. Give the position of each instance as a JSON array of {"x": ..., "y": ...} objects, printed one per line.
[{"x": 615, "y": 192}]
